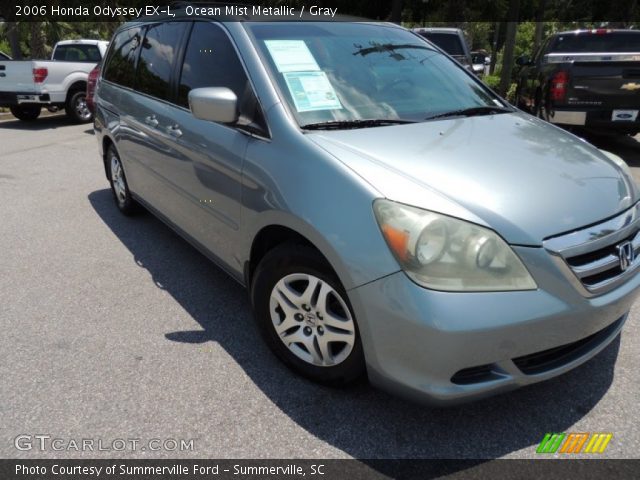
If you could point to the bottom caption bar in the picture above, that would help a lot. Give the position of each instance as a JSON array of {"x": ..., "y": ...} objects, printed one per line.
[{"x": 147, "y": 469}]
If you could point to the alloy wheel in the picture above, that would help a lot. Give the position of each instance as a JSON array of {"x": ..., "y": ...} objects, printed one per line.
[
  {"x": 117, "y": 178},
  {"x": 81, "y": 108},
  {"x": 312, "y": 320}
]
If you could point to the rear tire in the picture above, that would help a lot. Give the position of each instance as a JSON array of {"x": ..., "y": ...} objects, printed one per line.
[
  {"x": 538, "y": 107},
  {"x": 519, "y": 102},
  {"x": 26, "y": 113},
  {"x": 77, "y": 109},
  {"x": 119, "y": 186},
  {"x": 305, "y": 316}
]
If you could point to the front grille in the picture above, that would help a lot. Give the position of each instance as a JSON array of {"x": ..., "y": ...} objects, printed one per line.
[
  {"x": 546, "y": 360},
  {"x": 603, "y": 265},
  {"x": 592, "y": 255}
]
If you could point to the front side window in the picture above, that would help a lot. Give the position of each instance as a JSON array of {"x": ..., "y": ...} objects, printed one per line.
[
  {"x": 346, "y": 72},
  {"x": 120, "y": 64},
  {"x": 210, "y": 61},
  {"x": 157, "y": 59},
  {"x": 542, "y": 49}
]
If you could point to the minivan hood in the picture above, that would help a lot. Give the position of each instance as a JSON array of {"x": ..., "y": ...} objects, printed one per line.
[{"x": 526, "y": 179}]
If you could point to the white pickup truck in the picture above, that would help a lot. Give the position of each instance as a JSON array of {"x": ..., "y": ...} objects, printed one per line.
[{"x": 28, "y": 85}]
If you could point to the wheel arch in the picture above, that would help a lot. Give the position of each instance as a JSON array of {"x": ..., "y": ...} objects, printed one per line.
[
  {"x": 272, "y": 236},
  {"x": 77, "y": 86},
  {"x": 353, "y": 246},
  {"x": 106, "y": 143}
]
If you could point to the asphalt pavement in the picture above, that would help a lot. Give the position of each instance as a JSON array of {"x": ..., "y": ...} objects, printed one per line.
[{"x": 115, "y": 328}]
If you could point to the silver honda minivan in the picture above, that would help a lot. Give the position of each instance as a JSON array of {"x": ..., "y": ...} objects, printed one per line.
[{"x": 389, "y": 214}]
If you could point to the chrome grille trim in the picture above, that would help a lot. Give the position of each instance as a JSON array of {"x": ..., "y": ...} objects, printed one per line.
[
  {"x": 597, "y": 236},
  {"x": 588, "y": 256},
  {"x": 593, "y": 268}
]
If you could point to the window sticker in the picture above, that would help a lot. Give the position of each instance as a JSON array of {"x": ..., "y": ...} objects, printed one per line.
[
  {"x": 292, "y": 56},
  {"x": 312, "y": 91}
]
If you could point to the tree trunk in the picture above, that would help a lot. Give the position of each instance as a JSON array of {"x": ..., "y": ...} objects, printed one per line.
[
  {"x": 538, "y": 37},
  {"x": 14, "y": 40},
  {"x": 396, "y": 12},
  {"x": 37, "y": 40},
  {"x": 494, "y": 48},
  {"x": 507, "y": 58},
  {"x": 537, "y": 41},
  {"x": 509, "y": 47}
]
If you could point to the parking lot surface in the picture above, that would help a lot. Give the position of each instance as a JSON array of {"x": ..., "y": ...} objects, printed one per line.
[{"x": 115, "y": 328}]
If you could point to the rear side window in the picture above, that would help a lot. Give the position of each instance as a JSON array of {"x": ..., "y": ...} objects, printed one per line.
[
  {"x": 449, "y": 42},
  {"x": 120, "y": 66},
  {"x": 77, "y": 53},
  {"x": 611, "y": 42},
  {"x": 211, "y": 61},
  {"x": 157, "y": 57}
]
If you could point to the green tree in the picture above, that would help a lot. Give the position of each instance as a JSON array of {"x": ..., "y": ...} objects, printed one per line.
[{"x": 13, "y": 38}]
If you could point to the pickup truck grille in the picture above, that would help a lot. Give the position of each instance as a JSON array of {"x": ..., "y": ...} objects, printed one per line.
[{"x": 601, "y": 257}]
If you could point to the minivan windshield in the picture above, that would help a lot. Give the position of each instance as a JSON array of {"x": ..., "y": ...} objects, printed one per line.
[{"x": 342, "y": 73}]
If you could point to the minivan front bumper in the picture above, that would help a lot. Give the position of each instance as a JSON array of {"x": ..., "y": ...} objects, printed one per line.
[{"x": 445, "y": 348}]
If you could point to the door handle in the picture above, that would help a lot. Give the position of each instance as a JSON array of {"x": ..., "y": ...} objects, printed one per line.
[
  {"x": 151, "y": 120},
  {"x": 174, "y": 131}
]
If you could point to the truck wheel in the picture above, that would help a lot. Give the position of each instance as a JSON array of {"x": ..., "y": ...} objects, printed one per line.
[
  {"x": 26, "y": 113},
  {"x": 77, "y": 108},
  {"x": 519, "y": 102},
  {"x": 540, "y": 110}
]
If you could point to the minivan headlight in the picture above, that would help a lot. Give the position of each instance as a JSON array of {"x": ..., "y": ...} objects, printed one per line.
[{"x": 445, "y": 253}]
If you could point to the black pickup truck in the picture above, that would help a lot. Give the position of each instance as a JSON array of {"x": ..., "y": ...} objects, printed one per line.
[{"x": 584, "y": 78}]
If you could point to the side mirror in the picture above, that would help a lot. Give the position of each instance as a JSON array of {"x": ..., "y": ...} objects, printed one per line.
[
  {"x": 523, "y": 60},
  {"x": 215, "y": 104}
]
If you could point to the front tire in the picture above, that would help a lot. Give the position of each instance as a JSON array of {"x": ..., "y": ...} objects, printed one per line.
[
  {"x": 77, "y": 109},
  {"x": 305, "y": 316},
  {"x": 26, "y": 113},
  {"x": 119, "y": 186}
]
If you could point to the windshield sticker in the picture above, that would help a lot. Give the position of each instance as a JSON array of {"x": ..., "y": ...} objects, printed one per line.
[
  {"x": 292, "y": 56},
  {"x": 312, "y": 91}
]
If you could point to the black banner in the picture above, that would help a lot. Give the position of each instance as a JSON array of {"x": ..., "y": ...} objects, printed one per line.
[
  {"x": 146, "y": 469},
  {"x": 620, "y": 13}
]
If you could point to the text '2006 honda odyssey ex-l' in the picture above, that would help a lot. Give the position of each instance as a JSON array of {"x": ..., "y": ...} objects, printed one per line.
[{"x": 389, "y": 214}]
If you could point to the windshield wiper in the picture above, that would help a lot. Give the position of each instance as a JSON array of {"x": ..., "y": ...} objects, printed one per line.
[
  {"x": 350, "y": 124},
  {"x": 389, "y": 47},
  {"x": 472, "y": 111}
]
